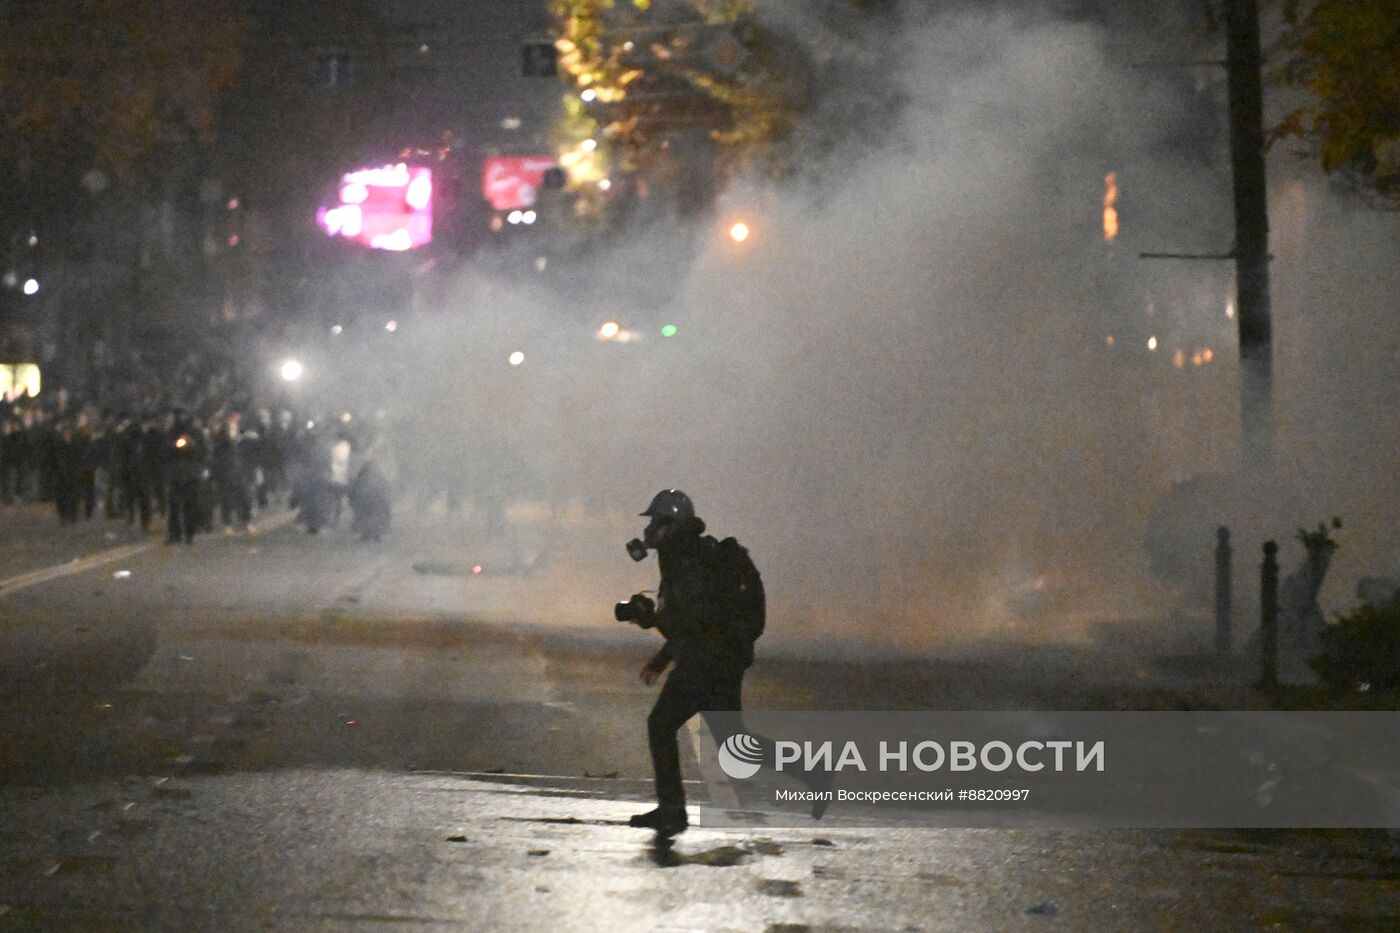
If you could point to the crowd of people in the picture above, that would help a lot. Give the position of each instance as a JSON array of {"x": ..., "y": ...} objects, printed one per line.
[{"x": 197, "y": 470}]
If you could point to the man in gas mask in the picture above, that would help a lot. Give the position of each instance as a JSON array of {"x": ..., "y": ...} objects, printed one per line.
[{"x": 710, "y": 609}]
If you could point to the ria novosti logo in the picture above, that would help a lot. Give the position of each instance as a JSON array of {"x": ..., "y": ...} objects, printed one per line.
[{"x": 740, "y": 756}]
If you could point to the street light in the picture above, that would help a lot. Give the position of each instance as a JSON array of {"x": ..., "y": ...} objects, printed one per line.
[
  {"x": 516, "y": 358},
  {"x": 31, "y": 286},
  {"x": 291, "y": 371}
]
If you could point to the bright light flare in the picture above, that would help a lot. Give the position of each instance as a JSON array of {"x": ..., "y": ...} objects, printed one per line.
[
  {"x": 1110, "y": 210},
  {"x": 516, "y": 358},
  {"x": 391, "y": 326},
  {"x": 1151, "y": 343},
  {"x": 739, "y": 232},
  {"x": 420, "y": 192},
  {"x": 291, "y": 371},
  {"x": 589, "y": 95},
  {"x": 609, "y": 330},
  {"x": 397, "y": 242},
  {"x": 31, "y": 286}
]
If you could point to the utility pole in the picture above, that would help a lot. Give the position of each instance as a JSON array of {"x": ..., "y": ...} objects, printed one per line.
[{"x": 1243, "y": 63}]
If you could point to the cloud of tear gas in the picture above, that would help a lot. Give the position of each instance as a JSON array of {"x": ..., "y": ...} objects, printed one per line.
[{"x": 921, "y": 390}]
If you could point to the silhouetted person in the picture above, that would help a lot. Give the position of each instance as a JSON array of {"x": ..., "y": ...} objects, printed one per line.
[
  {"x": 710, "y": 608},
  {"x": 370, "y": 500},
  {"x": 64, "y": 469},
  {"x": 185, "y": 455},
  {"x": 233, "y": 480}
]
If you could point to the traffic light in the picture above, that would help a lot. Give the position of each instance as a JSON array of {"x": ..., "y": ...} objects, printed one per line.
[{"x": 539, "y": 59}]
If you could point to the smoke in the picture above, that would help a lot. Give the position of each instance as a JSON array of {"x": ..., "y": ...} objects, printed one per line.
[{"x": 900, "y": 392}]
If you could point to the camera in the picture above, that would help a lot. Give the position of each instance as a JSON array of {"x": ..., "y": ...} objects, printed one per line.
[
  {"x": 637, "y": 549},
  {"x": 640, "y": 608}
]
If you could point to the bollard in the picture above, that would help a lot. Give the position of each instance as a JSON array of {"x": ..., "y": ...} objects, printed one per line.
[
  {"x": 1224, "y": 589},
  {"x": 1268, "y": 616}
]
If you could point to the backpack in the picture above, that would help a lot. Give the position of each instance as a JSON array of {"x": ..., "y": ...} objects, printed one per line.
[{"x": 739, "y": 589}]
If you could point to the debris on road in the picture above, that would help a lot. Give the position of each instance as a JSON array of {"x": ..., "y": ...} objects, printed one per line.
[
  {"x": 777, "y": 887},
  {"x": 719, "y": 857}
]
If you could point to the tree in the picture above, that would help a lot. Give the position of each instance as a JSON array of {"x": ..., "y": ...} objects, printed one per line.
[
  {"x": 106, "y": 109},
  {"x": 1346, "y": 54},
  {"x": 684, "y": 96},
  {"x": 101, "y": 84}
]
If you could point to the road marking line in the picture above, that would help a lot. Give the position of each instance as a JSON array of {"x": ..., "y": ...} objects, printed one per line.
[
  {"x": 111, "y": 555},
  {"x": 35, "y": 577}
]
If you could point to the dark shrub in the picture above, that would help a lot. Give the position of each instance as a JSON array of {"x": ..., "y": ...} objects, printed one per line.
[{"x": 1362, "y": 647}]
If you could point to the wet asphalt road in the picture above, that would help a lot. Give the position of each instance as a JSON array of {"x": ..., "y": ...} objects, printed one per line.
[{"x": 284, "y": 732}]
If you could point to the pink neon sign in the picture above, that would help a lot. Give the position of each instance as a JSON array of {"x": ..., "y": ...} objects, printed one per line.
[{"x": 389, "y": 207}]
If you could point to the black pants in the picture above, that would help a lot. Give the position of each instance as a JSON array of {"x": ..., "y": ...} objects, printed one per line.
[
  {"x": 689, "y": 689},
  {"x": 235, "y": 502},
  {"x": 184, "y": 509},
  {"x": 136, "y": 501}
]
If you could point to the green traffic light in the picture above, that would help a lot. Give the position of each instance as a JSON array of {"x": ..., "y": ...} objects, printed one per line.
[{"x": 668, "y": 330}]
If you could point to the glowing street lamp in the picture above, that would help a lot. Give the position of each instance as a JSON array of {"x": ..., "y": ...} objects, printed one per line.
[
  {"x": 31, "y": 286},
  {"x": 609, "y": 330},
  {"x": 291, "y": 371},
  {"x": 739, "y": 232},
  {"x": 516, "y": 358}
]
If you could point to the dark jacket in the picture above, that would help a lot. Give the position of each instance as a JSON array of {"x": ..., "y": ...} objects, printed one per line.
[
  {"x": 690, "y": 610},
  {"x": 186, "y": 454}
]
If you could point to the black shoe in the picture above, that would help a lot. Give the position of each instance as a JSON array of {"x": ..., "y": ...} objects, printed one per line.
[{"x": 668, "y": 821}]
